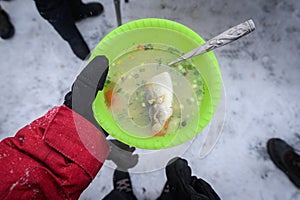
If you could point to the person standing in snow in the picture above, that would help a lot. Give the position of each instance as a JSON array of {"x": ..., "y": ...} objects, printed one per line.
[
  {"x": 7, "y": 29},
  {"x": 58, "y": 155},
  {"x": 62, "y": 15}
]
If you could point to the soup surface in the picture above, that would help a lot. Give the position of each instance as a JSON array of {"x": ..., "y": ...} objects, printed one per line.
[{"x": 131, "y": 91}]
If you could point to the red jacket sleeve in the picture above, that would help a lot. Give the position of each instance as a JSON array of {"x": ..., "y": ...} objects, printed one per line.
[{"x": 55, "y": 157}]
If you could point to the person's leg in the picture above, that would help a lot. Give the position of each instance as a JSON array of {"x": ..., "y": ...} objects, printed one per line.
[
  {"x": 7, "y": 30},
  {"x": 83, "y": 10},
  {"x": 285, "y": 158},
  {"x": 122, "y": 187},
  {"x": 181, "y": 185},
  {"x": 58, "y": 14}
]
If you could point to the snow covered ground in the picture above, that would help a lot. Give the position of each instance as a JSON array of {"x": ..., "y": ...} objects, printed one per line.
[{"x": 261, "y": 74}]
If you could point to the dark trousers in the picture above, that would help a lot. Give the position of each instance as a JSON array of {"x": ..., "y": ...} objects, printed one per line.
[{"x": 60, "y": 14}]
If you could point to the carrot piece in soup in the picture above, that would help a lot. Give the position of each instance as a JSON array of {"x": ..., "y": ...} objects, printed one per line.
[
  {"x": 163, "y": 130},
  {"x": 140, "y": 47},
  {"x": 109, "y": 98}
]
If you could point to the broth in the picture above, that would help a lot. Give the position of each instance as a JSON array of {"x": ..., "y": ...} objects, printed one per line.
[{"x": 129, "y": 98}]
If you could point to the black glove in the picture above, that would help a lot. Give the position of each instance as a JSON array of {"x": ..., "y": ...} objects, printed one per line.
[
  {"x": 203, "y": 188},
  {"x": 80, "y": 99},
  {"x": 85, "y": 88},
  {"x": 183, "y": 185},
  {"x": 122, "y": 155}
]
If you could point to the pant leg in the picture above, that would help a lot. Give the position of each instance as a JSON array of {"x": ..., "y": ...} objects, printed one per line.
[
  {"x": 58, "y": 13},
  {"x": 75, "y": 6}
]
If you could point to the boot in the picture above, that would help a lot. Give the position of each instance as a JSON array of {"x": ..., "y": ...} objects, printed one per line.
[
  {"x": 81, "y": 11},
  {"x": 7, "y": 30},
  {"x": 122, "y": 184},
  {"x": 79, "y": 46},
  {"x": 285, "y": 158},
  {"x": 181, "y": 185}
]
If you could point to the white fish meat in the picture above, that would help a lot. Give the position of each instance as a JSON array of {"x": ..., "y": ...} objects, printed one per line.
[{"x": 160, "y": 99}]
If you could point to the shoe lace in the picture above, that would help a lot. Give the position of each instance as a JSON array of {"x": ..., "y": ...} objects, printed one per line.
[{"x": 124, "y": 185}]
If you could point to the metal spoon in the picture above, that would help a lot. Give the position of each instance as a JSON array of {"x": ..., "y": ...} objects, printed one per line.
[{"x": 222, "y": 39}]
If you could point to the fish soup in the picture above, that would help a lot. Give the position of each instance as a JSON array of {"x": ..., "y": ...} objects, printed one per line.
[{"x": 149, "y": 98}]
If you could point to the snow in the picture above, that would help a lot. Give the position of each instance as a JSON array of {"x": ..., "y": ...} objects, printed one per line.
[{"x": 261, "y": 75}]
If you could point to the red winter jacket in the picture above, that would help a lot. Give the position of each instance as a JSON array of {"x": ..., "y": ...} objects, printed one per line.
[{"x": 48, "y": 160}]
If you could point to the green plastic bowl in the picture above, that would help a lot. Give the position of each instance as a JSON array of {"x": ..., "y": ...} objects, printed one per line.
[{"x": 159, "y": 31}]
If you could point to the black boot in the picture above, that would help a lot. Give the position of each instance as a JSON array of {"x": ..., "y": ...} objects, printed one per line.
[
  {"x": 122, "y": 184},
  {"x": 285, "y": 158},
  {"x": 81, "y": 11},
  {"x": 7, "y": 30},
  {"x": 79, "y": 46},
  {"x": 184, "y": 186}
]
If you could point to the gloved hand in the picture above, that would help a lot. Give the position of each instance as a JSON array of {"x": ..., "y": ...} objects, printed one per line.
[
  {"x": 203, "y": 188},
  {"x": 185, "y": 186},
  {"x": 80, "y": 99},
  {"x": 85, "y": 88},
  {"x": 122, "y": 155}
]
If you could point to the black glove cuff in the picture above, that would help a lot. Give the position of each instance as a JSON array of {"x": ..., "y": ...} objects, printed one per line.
[{"x": 68, "y": 100}]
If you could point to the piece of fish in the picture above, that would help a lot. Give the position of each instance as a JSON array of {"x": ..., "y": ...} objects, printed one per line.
[{"x": 160, "y": 99}]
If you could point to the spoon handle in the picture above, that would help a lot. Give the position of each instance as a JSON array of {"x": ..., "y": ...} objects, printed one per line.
[{"x": 222, "y": 39}]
